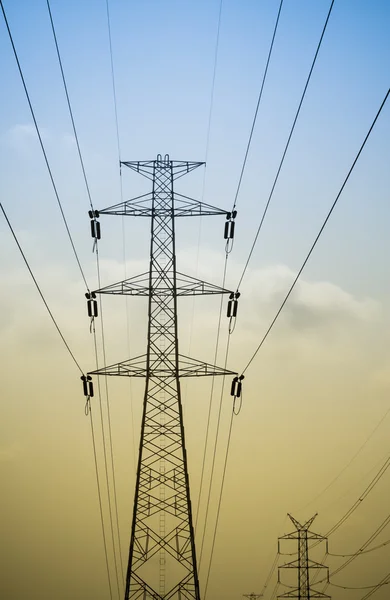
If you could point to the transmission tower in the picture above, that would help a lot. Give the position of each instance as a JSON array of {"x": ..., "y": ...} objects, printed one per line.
[
  {"x": 253, "y": 596},
  {"x": 162, "y": 558},
  {"x": 304, "y": 590}
]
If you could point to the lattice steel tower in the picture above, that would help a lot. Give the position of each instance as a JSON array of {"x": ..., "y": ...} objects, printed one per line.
[
  {"x": 162, "y": 559},
  {"x": 303, "y": 564}
]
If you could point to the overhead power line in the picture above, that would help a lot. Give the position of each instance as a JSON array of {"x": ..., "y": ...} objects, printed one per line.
[
  {"x": 286, "y": 147},
  {"x": 378, "y": 476},
  {"x": 362, "y": 497},
  {"x": 257, "y": 107},
  {"x": 384, "y": 581},
  {"x": 206, "y": 443},
  {"x": 318, "y": 235},
  {"x": 100, "y": 502},
  {"x": 219, "y": 505},
  {"x": 362, "y": 548},
  {"x": 211, "y": 397},
  {"x": 113, "y": 79},
  {"x": 270, "y": 573},
  {"x": 212, "y": 89},
  {"x": 110, "y": 511},
  {"x": 372, "y": 537},
  {"x": 40, "y": 291},
  {"x": 123, "y": 233},
  {"x": 223, "y": 279},
  {"x": 214, "y": 457},
  {"x": 69, "y": 105},
  {"x": 374, "y": 481},
  {"x": 42, "y": 145},
  {"x": 220, "y": 311},
  {"x": 365, "y": 587},
  {"x": 364, "y": 444},
  {"x": 110, "y": 444},
  {"x": 386, "y": 543}
]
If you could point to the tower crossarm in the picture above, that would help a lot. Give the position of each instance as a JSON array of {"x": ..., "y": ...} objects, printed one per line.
[
  {"x": 296, "y": 593},
  {"x": 311, "y": 564},
  {"x": 140, "y": 286},
  {"x": 187, "y": 367},
  {"x": 310, "y": 536},
  {"x": 147, "y": 167},
  {"x": 143, "y": 206}
]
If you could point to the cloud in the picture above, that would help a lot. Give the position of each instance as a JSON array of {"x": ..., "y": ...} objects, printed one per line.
[
  {"x": 312, "y": 303},
  {"x": 22, "y": 136}
]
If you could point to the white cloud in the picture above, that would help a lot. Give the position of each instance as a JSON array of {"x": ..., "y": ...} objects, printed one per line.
[
  {"x": 22, "y": 136},
  {"x": 311, "y": 304}
]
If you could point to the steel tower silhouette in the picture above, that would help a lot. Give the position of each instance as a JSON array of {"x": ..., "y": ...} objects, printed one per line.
[
  {"x": 303, "y": 564},
  {"x": 162, "y": 559}
]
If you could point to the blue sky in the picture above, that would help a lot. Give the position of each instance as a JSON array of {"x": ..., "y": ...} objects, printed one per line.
[{"x": 324, "y": 371}]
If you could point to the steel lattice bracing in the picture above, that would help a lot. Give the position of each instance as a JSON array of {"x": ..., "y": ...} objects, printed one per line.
[
  {"x": 303, "y": 565},
  {"x": 162, "y": 558}
]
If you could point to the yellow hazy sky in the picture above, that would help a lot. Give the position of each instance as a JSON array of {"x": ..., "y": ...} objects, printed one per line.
[{"x": 315, "y": 398}]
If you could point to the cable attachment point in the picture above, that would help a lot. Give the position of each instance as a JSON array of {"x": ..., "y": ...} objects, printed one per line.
[
  {"x": 236, "y": 387},
  {"x": 236, "y": 392},
  {"x": 230, "y": 225},
  {"x": 88, "y": 391},
  {"x": 232, "y": 308},
  {"x": 87, "y": 385},
  {"x": 229, "y": 230},
  {"x": 92, "y": 305},
  {"x": 95, "y": 227}
]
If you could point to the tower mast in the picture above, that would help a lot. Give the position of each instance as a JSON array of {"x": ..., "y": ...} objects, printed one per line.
[
  {"x": 162, "y": 558},
  {"x": 303, "y": 564}
]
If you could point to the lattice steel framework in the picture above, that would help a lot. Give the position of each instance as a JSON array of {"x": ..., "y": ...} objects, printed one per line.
[
  {"x": 302, "y": 564},
  {"x": 162, "y": 558}
]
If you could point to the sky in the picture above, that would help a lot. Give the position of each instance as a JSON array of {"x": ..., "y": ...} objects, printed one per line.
[{"x": 316, "y": 395}]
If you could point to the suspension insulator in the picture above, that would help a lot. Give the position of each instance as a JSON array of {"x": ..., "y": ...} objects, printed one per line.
[
  {"x": 95, "y": 225},
  {"x": 85, "y": 385},
  {"x": 228, "y": 233},
  {"x": 95, "y": 229},
  {"x": 90, "y": 386},
  {"x": 229, "y": 306},
  {"x": 233, "y": 386},
  {"x": 239, "y": 385},
  {"x": 92, "y": 305},
  {"x": 232, "y": 306},
  {"x": 236, "y": 387}
]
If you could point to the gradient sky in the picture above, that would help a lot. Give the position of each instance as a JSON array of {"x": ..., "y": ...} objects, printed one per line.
[{"x": 320, "y": 385}]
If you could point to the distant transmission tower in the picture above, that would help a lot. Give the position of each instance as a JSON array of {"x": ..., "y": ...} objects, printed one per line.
[
  {"x": 162, "y": 559},
  {"x": 303, "y": 565},
  {"x": 253, "y": 596}
]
